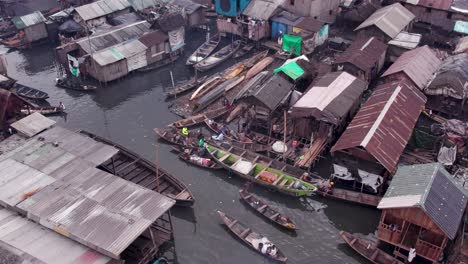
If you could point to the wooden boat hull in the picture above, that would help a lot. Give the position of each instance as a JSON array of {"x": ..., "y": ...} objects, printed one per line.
[
  {"x": 243, "y": 232},
  {"x": 200, "y": 118},
  {"x": 230, "y": 138},
  {"x": 29, "y": 93},
  {"x": 185, "y": 87},
  {"x": 236, "y": 71},
  {"x": 282, "y": 185},
  {"x": 205, "y": 50},
  {"x": 259, "y": 67},
  {"x": 367, "y": 250},
  {"x": 218, "y": 57},
  {"x": 244, "y": 50},
  {"x": 206, "y": 87},
  {"x": 169, "y": 185},
  {"x": 214, "y": 166},
  {"x": 265, "y": 210},
  {"x": 216, "y": 93},
  {"x": 167, "y": 135},
  {"x": 81, "y": 87},
  {"x": 47, "y": 110}
]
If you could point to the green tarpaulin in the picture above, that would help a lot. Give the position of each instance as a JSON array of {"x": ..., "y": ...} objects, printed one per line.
[
  {"x": 291, "y": 69},
  {"x": 292, "y": 44}
]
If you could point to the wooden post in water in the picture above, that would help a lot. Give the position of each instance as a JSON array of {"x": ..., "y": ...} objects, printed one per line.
[
  {"x": 172, "y": 80},
  {"x": 157, "y": 168}
]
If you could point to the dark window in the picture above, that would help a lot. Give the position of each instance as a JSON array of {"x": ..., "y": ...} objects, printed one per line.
[
  {"x": 330, "y": 12},
  {"x": 292, "y": 2},
  {"x": 449, "y": 15},
  {"x": 428, "y": 10}
]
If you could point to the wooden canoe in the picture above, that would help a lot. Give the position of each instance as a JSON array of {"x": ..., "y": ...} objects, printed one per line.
[
  {"x": 260, "y": 66},
  {"x": 206, "y": 87},
  {"x": 144, "y": 173},
  {"x": 204, "y": 50},
  {"x": 199, "y": 118},
  {"x": 234, "y": 72},
  {"x": 246, "y": 47},
  {"x": 43, "y": 110},
  {"x": 79, "y": 87},
  {"x": 255, "y": 171},
  {"x": 218, "y": 57},
  {"x": 216, "y": 93},
  {"x": 192, "y": 160},
  {"x": 248, "y": 236},
  {"x": 29, "y": 92},
  {"x": 266, "y": 210},
  {"x": 240, "y": 108},
  {"x": 368, "y": 250},
  {"x": 214, "y": 127},
  {"x": 191, "y": 84},
  {"x": 169, "y": 135},
  {"x": 250, "y": 62}
]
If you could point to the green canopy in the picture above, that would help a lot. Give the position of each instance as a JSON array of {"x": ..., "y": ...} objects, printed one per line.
[
  {"x": 291, "y": 69},
  {"x": 292, "y": 44}
]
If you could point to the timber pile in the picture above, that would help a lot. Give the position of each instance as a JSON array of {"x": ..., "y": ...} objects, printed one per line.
[{"x": 313, "y": 152}]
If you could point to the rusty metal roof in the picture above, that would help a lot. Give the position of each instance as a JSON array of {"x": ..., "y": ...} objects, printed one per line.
[
  {"x": 419, "y": 65},
  {"x": 364, "y": 53},
  {"x": 384, "y": 124},
  {"x": 53, "y": 178},
  {"x": 391, "y": 19},
  {"x": 331, "y": 98},
  {"x": 436, "y": 4}
]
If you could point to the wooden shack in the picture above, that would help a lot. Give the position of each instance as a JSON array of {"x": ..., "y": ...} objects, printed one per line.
[
  {"x": 256, "y": 18},
  {"x": 314, "y": 33},
  {"x": 447, "y": 92},
  {"x": 358, "y": 11},
  {"x": 31, "y": 28},
  {"x": 363, "y": 59},
  {"x": 391, "y": 112},
  {"x": 386, "y": 23},
  {"x": 323, "y": 111},
  {"x": 173, "y": 24},
  {"x": 421, "y": 210},
  {"x": 194, "y": 13},
  {"x": 402, "y": 43},
  {"x": 325, "y": 10},
  {"x": 96, "y": 13},
  {"x": 157, "y": 43},
  {"x": 416, "y": 66}
]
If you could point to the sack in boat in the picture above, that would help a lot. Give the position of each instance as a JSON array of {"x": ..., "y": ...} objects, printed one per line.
[{"x": 267, "y": 176}]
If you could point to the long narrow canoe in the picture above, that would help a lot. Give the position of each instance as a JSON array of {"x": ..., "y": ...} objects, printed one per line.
[
  {"x": 266, "y": 210},
  {"x": 43, "y": 110},
  {"x": 29, "y": 92},
  {"x": 246, "y": 47},
  {"x": 200, "y": 118},
  {"x": 204, "y": 50},
  {"x": 260, "y": 66},
  {"x": 217, "y": 92},
  {"x": 132, "y": 167},
  {"x": 368, "y": 250},
  {"x": 249, "y": 237},
  {"x": 206, "y": 87},
  {"x": 198, "y": 161},
  {"x": 218, "y": 57},
  {"x": 236, "y": 138},
  {"x": 261, "y": 174},
  {"x": 191, "y": 84},
  {"x": 170, "y": 136},
  {"x": 74, "y": 86},
  {"x": 234, "y": 72},
  {"x": 256, "y": 58}
]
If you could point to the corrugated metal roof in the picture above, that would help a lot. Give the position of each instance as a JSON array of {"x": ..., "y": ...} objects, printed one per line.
[
  {"x": 460, "y": 6},
  {"x": 49, "y": 178},
  {"x": 119, "y": 52},
  {"x": 287, "y": 18},
  {"x": 384, "y": 123},
  {"x": 364, "y": 53},
  {"x": 153, "y": 38},
  {"x": 32, "y": 243},
  {"x": 451, "y": 78},
  {"x": 113, "y": 36},
  {"x": 263, "y": 9},
  {"x": 101, "y": 8},
  {"x": 406, "y": 40},
  {"x": 436, "y": 4},
  {"x": 188, "y": 6},
  {"x": 331, "y": 98},
  {"x": 462, "y": 45},
  {"x": 419, "y": 65},
  {"x": 143, "y": 4},
  {"x": 271, "y": 93},
  {"x": 33, "y": 124},
  {"x": 310, "y": 24},
  {"x": 391, "y": 19},
  {"x": 28, "y": 20},
  {"x": 431, "y": 188}
]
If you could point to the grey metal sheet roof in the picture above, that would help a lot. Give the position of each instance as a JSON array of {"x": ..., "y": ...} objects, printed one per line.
[
  {"x": 263, "y": 9},
  {"x": 271, "y": 93},
  {"x": 101, "y": 8},
  {"x": 287, "y": 18},
  {"x": 391, "y": 19},
  {"x": 142, "y": 4},
  {"x": 406, "y": 40},
  {"x": 188, "y": 6},
  {"x": 32, "y": 243},
  {"x": 33, "y": 124},
  {"x": 113, "y": 36},
  {"x": 28, "y": 20},
  {"x": 331, "y": 98},
  {"x": 119, "y": 52},
  {"x": 52, "y": 177},
  {"x": 431, "y": 188},
  {"x": 419, "y": 65}
]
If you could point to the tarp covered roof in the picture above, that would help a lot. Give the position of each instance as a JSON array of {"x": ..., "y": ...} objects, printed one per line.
[
  {"x": 292, "y": 69},
  {"x": 418, "y": 64},
  {"x": 384, "y": 123},
  {"x": 28, "y": 20},
  {"x": 391, "y": 19},
  {"x": 263, "y": 9},
  {"x": 451, "y": 78},
  {"x": 331, "y": 98},
  {"x": 461, "y": 27},
  {"x": 431, "y": 188}
]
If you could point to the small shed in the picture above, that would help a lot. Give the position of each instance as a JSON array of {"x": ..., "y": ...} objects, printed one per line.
[
  {"x": 194, "y": 13},
  {"x": 157, "y": 43},
  {"x": 108, "y": 65},
  {"x": 386, "y": 22},
  {"x": 403, "y": 42},
  {"x": 422, "y": 210},
  {"x": 364, "y": 58},
  {"x": 283, "y": 23},
  {"x": 33, "y": 26},
  {"x": 378, "y": 134},
  {"x": 448, "y": 90},
  {"x": 257, "y": 15},
  {"x": 416, "y": 66},
  {"x": 173, "y": 24},
  {"x": 313, "y": 32}
]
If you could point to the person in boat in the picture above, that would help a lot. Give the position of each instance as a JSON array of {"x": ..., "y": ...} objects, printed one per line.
[
  {"x": 224, "y": 129},
  {"x": 219, "y": 137},
  {"x": 185, "y": 131},
  {"x": 61, "y": 106},
  {"x": 201, "y": 142}
]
